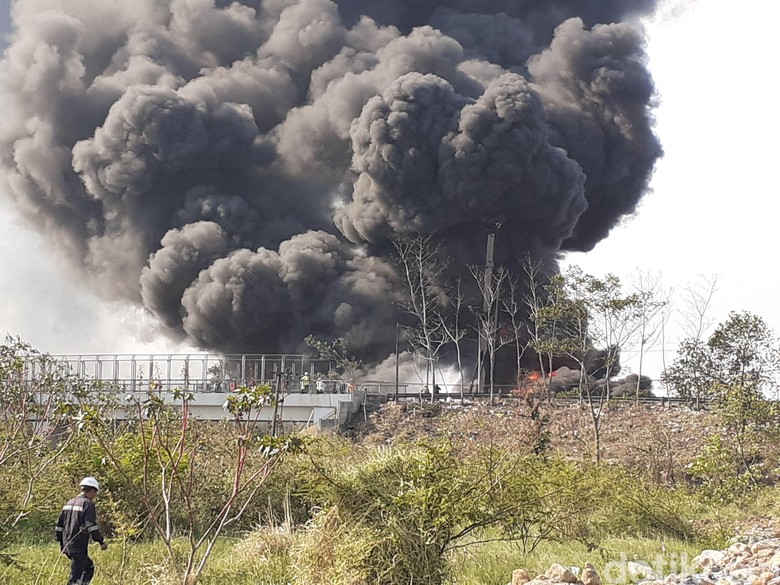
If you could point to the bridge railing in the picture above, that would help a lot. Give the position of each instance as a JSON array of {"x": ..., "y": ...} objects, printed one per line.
[{"x": 204, "y": 372}]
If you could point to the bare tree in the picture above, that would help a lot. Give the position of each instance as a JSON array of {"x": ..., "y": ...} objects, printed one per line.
[
  {"x": 172, "y": 444},
  {"x": 422, "y": 264},
  {"x": 36, "y": 427},
  {"x": 542, "y": 326},
  {"x": 693, "y": 358},
  {"x": 454, "y": 330},
  {"x": 488, "y": 317},
  {"x": 513, "y": 306},
  {"x": 653, "y": 302},
  {"x": 697, "y": 304}
]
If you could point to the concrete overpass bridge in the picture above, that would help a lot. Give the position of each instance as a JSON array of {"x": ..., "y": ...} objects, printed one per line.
[{"x": 326, "y": 401}]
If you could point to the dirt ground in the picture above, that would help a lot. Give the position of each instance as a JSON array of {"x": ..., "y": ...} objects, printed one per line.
[{"x": 660, "y": 440}]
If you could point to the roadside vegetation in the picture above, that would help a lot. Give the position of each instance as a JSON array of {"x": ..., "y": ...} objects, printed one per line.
[
  {"x": 185, "y": 501},
  {"x": 339, "y": 513},
  {"x": 421, "y": 493}
]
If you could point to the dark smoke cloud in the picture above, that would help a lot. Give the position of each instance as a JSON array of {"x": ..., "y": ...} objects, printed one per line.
[{"x": 239, "y": 168}]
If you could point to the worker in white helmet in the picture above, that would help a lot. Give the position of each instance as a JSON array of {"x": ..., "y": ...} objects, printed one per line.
[{"x": 76, "y": 524}]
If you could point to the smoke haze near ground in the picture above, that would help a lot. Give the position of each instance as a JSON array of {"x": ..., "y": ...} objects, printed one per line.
[{"x": 239, "y": 169}]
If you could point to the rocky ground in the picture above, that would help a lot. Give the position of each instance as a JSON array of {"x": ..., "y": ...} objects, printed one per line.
[{"x": 753, "y": 558}]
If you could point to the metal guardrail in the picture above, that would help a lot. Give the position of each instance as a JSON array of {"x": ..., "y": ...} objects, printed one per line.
[
  {"x": 662, "y": 400},
  {"x": 208, "y": 372},
  {"x": 192, "y": 372}
]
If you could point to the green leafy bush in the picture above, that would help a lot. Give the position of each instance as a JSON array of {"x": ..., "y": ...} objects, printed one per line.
[
  {"x": 718, "y": 472},
  {"x": 393, "y": 515},
  {"x": 622, "y": 503}
]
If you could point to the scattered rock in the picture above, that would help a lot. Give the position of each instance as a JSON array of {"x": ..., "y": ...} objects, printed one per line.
[
  {"x": 709, "y": 560},
  {"x": 539, "y": 581},
  {"x": 641, "y": 571},
  {"x": 765, "y": 545},
  {"x": 560, "y": 574},
  {"x": 764, "y": 578},
  {"x": 589, "y": 575},
  {"x": 751, "y": 559},
  {"x": 520, "y": 577}
]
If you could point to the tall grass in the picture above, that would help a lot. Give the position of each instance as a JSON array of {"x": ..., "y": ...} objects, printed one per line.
[
  {"x": 263, "y": 558},
  {"x": 492, "y": 564},
  {"x": 260, "y": 558},
  {"x": 350, "y": 515},
  {"x": 268, "y": 556}
]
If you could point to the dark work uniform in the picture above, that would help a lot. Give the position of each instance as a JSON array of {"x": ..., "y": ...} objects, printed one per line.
[{"x": 77, "y": 523}]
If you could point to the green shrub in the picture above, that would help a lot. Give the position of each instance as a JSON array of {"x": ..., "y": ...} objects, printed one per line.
[
  {"x": 625, "y": 504},
  {"x": 395, "y": 515},
  {"x": 389, "y": 518},
  {"x": 718, "y": 472}
]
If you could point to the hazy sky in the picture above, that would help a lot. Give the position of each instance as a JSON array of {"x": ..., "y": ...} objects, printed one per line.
[
  {"x": 712, "y": 209},
  {"x": 44, "y": 309}
]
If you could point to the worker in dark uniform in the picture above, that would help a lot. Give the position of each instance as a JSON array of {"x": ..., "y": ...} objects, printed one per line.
[{"x": 77, "y": 523}]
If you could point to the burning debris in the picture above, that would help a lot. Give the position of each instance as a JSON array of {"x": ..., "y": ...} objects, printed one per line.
[
  {"x": 567, "y": 380},
  {"x": 239, "y": 168},
  {"x": 570, "y": 381}
]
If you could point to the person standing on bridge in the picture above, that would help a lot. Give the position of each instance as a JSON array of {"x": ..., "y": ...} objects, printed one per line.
[{"x": 76, "y": 524}]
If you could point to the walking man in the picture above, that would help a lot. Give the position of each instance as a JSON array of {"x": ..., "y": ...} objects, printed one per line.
[{"x": 77, "y": 523}]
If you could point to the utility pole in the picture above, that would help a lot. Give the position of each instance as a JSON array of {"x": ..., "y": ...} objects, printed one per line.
[
  {"x": 278, "y": 384},
  {"x": 396, "y": 363},
  {"x": 491, "y": 245},
  {"x": 487, "y": 286}
]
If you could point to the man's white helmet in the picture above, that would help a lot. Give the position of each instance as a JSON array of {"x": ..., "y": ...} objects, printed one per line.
[{"x": 90, "y": 482}]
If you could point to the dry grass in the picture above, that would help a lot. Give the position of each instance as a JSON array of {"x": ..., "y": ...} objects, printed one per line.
[
  {"x": 263, "y": 543},
  {"x": 658, "y": 440}
]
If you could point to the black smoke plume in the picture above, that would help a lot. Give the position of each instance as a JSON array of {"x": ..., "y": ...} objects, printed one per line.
[{"x": 239, "y": 168}]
